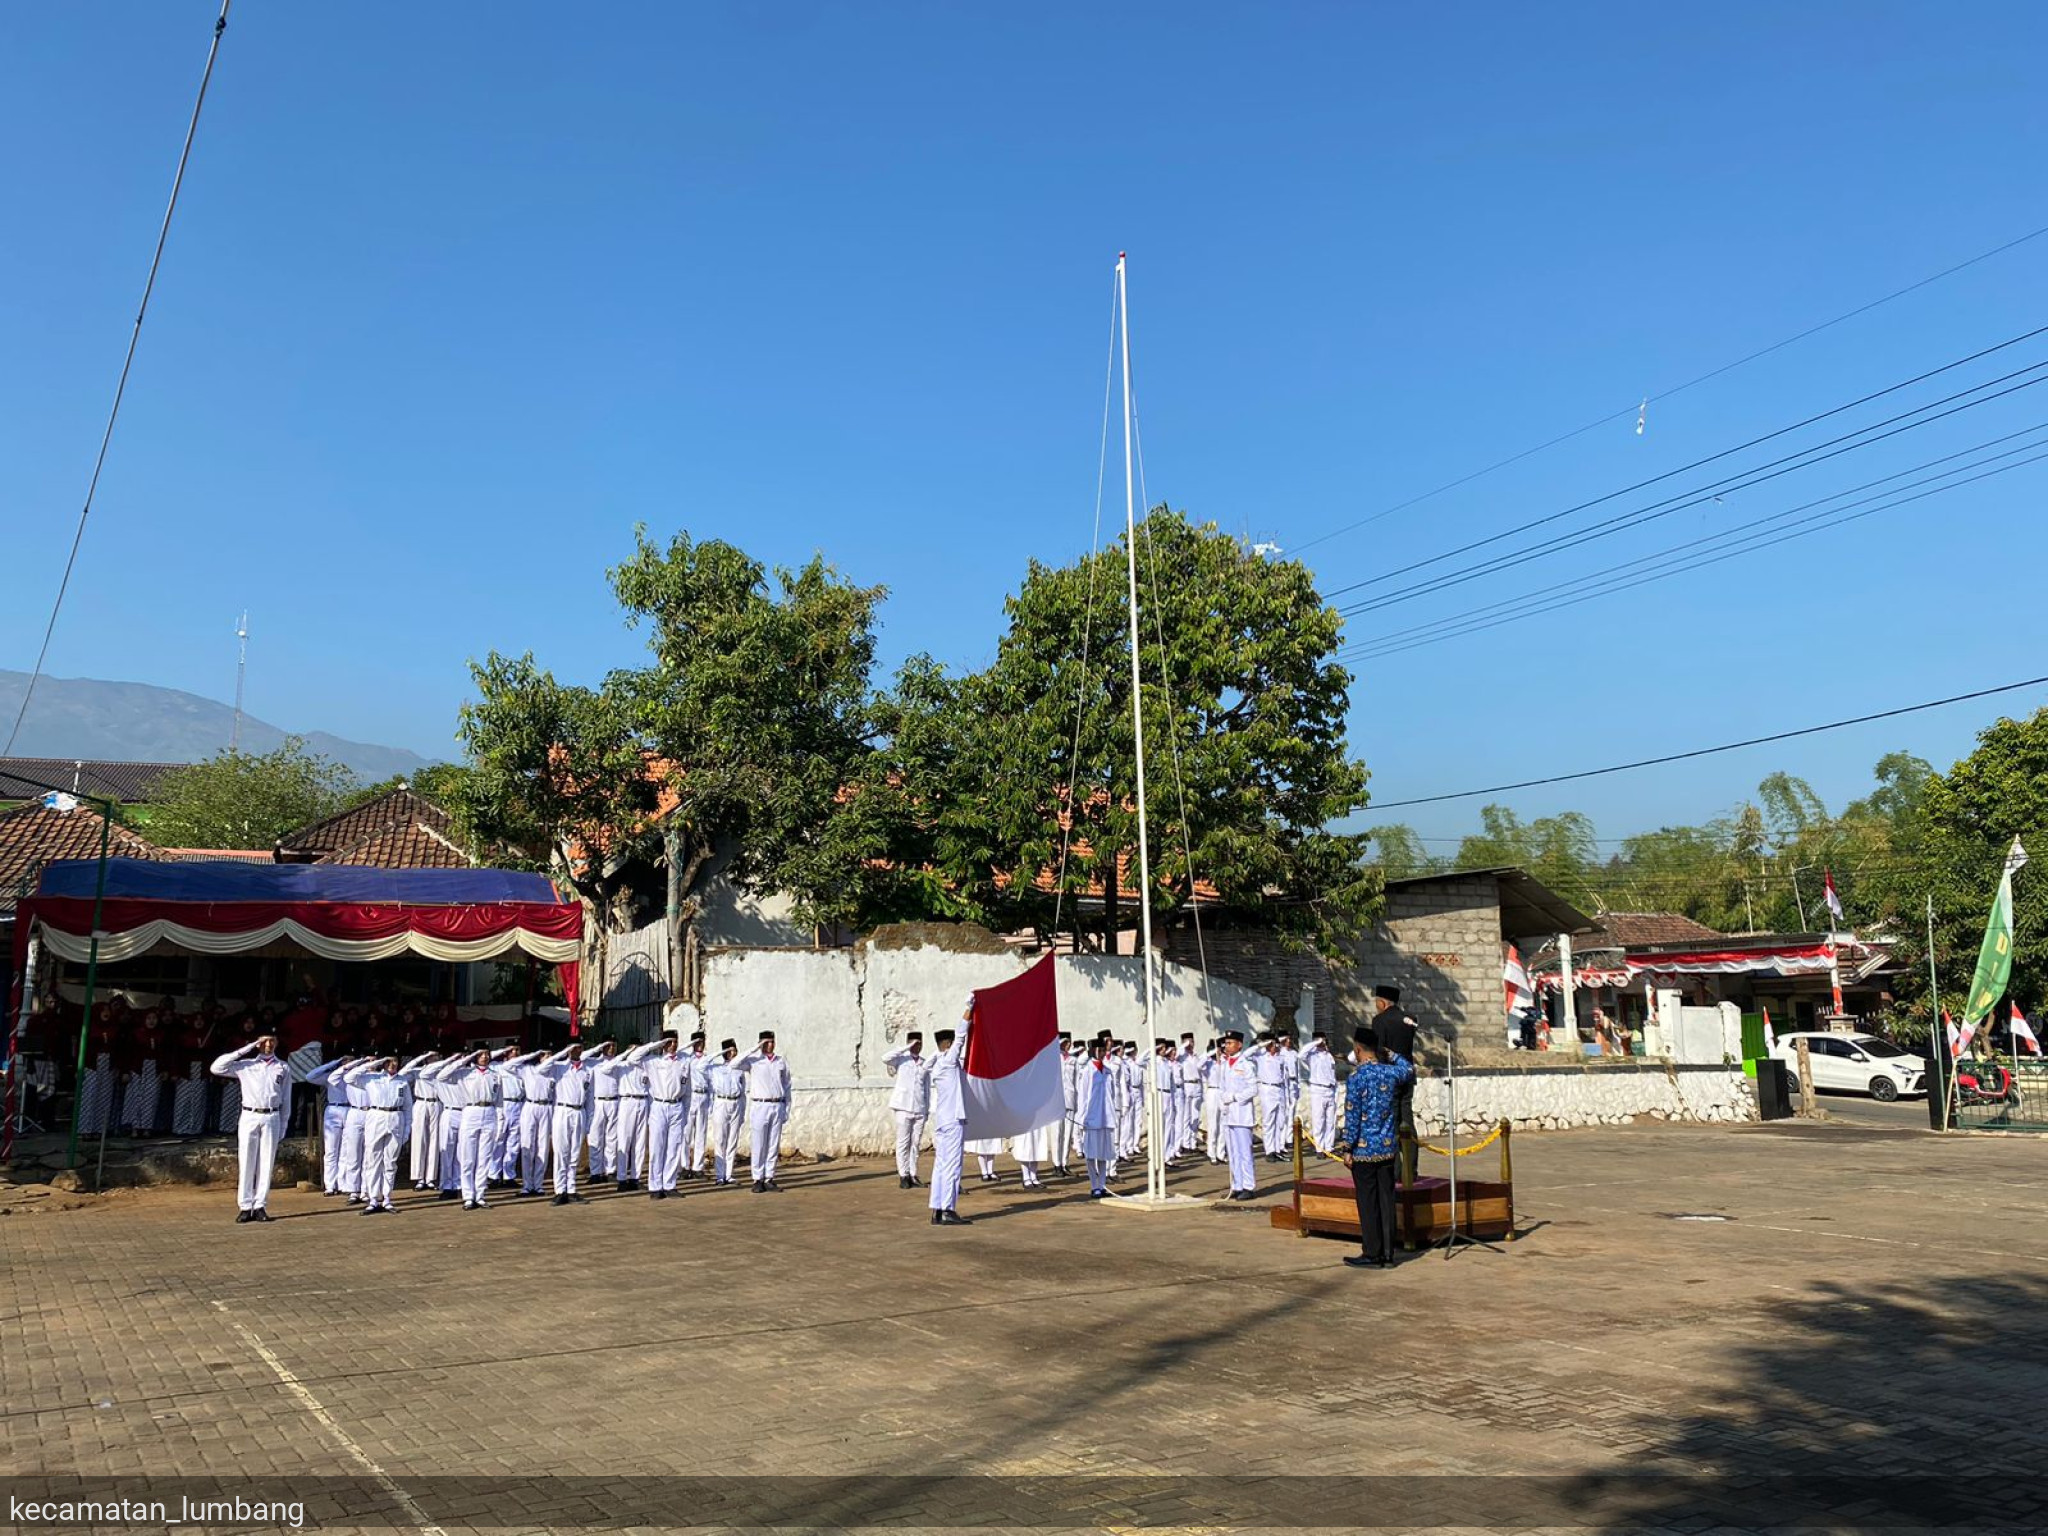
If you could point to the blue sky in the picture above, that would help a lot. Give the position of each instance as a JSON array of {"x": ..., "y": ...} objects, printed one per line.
[{"x": 459, "y": 293}]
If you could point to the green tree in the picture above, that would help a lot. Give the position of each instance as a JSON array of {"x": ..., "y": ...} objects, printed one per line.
[
  {"x": 247, "y": 800},
  {"x": 1244, "y": 710},
  {"x": 1399, "y": 852}
]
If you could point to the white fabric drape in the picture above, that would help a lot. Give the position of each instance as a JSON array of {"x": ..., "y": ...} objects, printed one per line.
[{"x": 139, "y": 940}]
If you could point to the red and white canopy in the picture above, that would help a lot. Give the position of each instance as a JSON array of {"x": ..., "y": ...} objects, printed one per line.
[{"x": 1756, "y": 960}]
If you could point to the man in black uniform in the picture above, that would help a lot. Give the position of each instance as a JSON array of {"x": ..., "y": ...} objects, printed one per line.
[{"x": 1395, "y": 1032}]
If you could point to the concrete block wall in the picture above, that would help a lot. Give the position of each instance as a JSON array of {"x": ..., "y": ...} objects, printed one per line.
[
  {"x": 1439, "y": 943},
  {"x": 1255, "y": 958}
]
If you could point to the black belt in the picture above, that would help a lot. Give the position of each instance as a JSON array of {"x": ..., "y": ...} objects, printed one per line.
[
  {"x": 607, "y": 1098},
  {"x": 727, "y": 1096},
  {"x": 632, "y": 1095},
  {"x": 660, "y": 1100},
  {"x": 515, "y": 1101},
  {"x": 540, "y": 1101},
  {"x": 568, "y": 1104},
  {"x": 259, "y": 1109},
  {"x": 381, "y": 1109},
  {"x": 768, "y": 1101}
]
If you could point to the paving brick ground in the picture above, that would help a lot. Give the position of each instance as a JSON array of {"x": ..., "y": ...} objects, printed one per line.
[{"x": 1876, "y": 1303}]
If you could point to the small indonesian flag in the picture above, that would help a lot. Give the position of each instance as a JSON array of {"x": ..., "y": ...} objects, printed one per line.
[
  {"x": 2023, "y": 1032},
  {"x": 1012, "y": 1081},
  {"x": 1519, "y": 993},
  {"x": 1827, "y": 894},
  {"x": 1957, "y": 1042},
  {"x": 1770, "y": 1035}
]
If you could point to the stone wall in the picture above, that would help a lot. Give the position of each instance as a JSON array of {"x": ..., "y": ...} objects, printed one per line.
[
  {"x": 1439, "y": 942},
  {"x": 1553, "y": 1098},
  {"x": 1255, "y": 958},
  {"x": 837, "y": 1012}
]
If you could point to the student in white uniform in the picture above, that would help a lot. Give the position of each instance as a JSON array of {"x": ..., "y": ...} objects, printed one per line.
[
  {"x": 728, "y": 1108},
  {"x": 1319, "y": 1070},
  {"x": 536, "y": 1125},
  {"x": 1212, "y": 1105},
  {"x": 448, "y": 1126},
  {"x": 668, "y": 1106},
  {"x": 697, "y": 1123},
  {"x": 383, "y": 1086},
  {"x": 1069, "y": 1138},
  {"x": 768, "y": 1089},
  {"x": 333, "y": 1114},
  {"x": 911, "y": 1102},
  {"x": 1166, "y": 1069},
  {"x": 264, "y": 1080},
  {"x": 630, "y": 1135},
  {"x": 603, "y": 1136},
  {"x": 573, "y": 1082},
  {"x": 1190, "y": 1097},
  {"x": 1095, "y": 1091},
  {"x": 1275, "y": 1082},
  {"x": 949, "y": 1121},
  {"x": 505, "y": 1136},
  {"x": 426, "y": 1126},
  {"x": 1237, "y": 1081},
  {"x": 479, "y": 1091}
]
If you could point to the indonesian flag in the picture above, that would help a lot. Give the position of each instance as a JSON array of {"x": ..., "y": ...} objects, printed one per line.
[
  {"x": 1827, "y": 894},
  {"x": 1957, "y": 1043},
  {"x": 1519, "y": 993},
  {"x": 1012, "y": 1081},
  {"x": 1770, "y": 1035},
  {"x": 2024, "y": 1032}
]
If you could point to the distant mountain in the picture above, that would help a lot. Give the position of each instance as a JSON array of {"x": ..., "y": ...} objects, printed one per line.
[{"x": 136, "y": 722}]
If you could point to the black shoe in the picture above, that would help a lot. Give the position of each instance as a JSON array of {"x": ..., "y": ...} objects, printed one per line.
[
  {"x": 759, "y": 1187},
  {"x": 450, "y": 1194},
  {"x": 561, "y": 1200},
  {"x": 902, "y": 1182},
  {"x": 772, "y": 1187},
  {"x": 1360, "y": 1261},
  {"x": 657, "y": 1194},
  {"x": 916, "y": 1182},
  {"x": 1098, "y": 1194},
  {"x": 952, "y": 1219},
  {"x": 369, "y": 1210},
  {"x": 578, "y": 1200},
  {"x": 242, "y": 1216},
  {"x": 259, "y": 1215}
]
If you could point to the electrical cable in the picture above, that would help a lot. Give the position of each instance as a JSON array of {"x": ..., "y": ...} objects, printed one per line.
[
  {"x": 220, "y": 26},
  {"x": 1666, "y": 394},
  {"x": 1731, "y": 746}
]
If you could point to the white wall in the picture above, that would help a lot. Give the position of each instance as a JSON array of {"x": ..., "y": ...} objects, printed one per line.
[
  {"x": 1559, "y": 1097},
  {"x": 837, "y": 1012}
]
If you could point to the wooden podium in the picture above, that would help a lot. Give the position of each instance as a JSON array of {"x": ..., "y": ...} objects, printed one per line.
[{"x": 1326, "y": 1203}]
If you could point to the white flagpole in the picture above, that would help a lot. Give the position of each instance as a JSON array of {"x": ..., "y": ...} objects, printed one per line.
[{"x": 1155, "y": 1166}]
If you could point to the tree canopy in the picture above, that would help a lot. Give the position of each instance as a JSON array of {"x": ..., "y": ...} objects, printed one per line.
[{"x": 246, "y": 800}]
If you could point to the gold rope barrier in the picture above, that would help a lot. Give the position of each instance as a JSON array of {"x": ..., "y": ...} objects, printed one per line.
[{"x": 1426, "y": 1146}]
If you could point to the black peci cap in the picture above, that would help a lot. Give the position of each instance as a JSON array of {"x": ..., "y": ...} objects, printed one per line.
[
  {"x": 767, "y": 1034},
  {"x": 728, "y": 1045},
  {"x": 1387, "y": 994},
  {"x": 944, "y": 1036}
]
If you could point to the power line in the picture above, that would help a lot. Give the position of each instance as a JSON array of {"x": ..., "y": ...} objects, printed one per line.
[
  {"x": 1713, "y": 458},
  {"x": 1511, "y": 610},
  {"x": 1714, "y": 373},
  {"x": 1732, "y": 746},
  {"x": 1742, "y": 480},
  {"x": 163, "y": 233}
]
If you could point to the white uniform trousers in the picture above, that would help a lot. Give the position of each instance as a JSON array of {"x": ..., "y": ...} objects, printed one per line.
[
  {"x": 352, "y": 1150},
  {"x": 1239, "y": 1138},
  {"x": 449, "y": 1158},
  {"x": 569, "y": 1130},
  {"x": 1212, "y": 1126},
  {"x": 256, "y": 1141},
  {"x": 629, "y": 1136},
  {"x": 1272, "y": 1111},
  {"x": 1190, "y": 1120},
  {"x": 380, "y": 1156},
  {"x": 949, "y": 1147},
  {"x": 725, "y": 1136},
  {"x": 909, "y": 1137},
  {"x": 331, "y": 1119},
  {"x": 604, "y": 1122},
  {"x": 478, "y": 1128},
  {"x": 697, "y": 1130},
  {"x": 664, "y": 1143},
  {"x": 764, "y": 1117},
  {"x": 426, "y": 1141},
  {"x": 505, "y": 1143},
  {"x": 536, "y": 1141},
  {"x": 1322, "y": 1116}
]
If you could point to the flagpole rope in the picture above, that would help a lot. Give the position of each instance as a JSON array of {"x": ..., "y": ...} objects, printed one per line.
[{"x": 1059, "y": 885}]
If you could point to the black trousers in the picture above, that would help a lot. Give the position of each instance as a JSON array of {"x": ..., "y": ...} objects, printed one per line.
[{"x": 1373, "y": 1183}]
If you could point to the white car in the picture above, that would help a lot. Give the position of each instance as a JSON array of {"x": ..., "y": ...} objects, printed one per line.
[{"x": 1853, "y": 1063}]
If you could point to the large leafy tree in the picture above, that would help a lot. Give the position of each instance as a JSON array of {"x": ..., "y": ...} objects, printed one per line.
[
  {"x": 246, "y": 799},
  {"x": 730, "y": 749},
  {"x": 1246, "y": 758}
]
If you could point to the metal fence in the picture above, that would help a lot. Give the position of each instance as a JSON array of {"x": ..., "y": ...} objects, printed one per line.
[{"x": 2001, "y": 1095}]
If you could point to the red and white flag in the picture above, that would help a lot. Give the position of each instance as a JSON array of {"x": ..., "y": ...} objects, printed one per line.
[
  {"x": 1520, "y": 995},
  {"x": 1012, "y": 1081},
  {"x": 1827, "y": 894},
  {"x": 2023, "y": 1032},
  {"x": 1957, "y": 1043},
  {"x": 1770, "y": 1035}
]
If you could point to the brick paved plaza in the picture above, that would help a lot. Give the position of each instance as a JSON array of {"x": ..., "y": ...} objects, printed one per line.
[{"x": 1877, "y": 1302}]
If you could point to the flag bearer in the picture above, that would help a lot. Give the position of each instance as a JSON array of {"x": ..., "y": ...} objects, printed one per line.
[
  {"x": 768, "y": 1089},
  {"x": 264, "y": 1080},
  {"x": 949, "y": 1121},
  {"x": 911, "y": 1102}
]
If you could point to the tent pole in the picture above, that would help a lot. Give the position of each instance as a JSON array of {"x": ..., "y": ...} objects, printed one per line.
[{"x": 92, "y": 973}]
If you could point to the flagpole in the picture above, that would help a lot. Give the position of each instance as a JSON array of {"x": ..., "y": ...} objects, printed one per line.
[
  {"x": 1155, "y": 1171},
  {"x": 1944, "y": 1062}
]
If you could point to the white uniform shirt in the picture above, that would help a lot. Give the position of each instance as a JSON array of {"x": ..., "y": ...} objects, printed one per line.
[
  {"x": 1094, "y": 1093},
  {"x": 264, "y": 1080},
  {"x": 948, "y": 1098},
  {"x": 1270, "y": 1068},
  {"x": 727, "y": 1081},
  {"x": 1071, "y": 1063},
  {"x": 537, "y": 1081},
  {"x": 668, "y": 1079},
  {"x": 1239, "y": 1085},
  {"x": 912, "y": 1094},
  {"x": 698, "y": 1064},
  {"x": 768, "y": 1079},
  {"x": 1320, "y": 1067},
  {"x": 466, "y": 1084},
  {"x": 1190, "y": 1070},
  {"x": 574, "y": 1080}
]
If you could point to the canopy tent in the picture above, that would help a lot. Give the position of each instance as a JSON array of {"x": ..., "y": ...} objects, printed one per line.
[
  {"x": 1756, "y": 958},
  {"x": 334, "y": 911}
]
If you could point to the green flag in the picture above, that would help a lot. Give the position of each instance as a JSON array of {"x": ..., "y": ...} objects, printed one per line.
[{"x": 1994, "y": 959}]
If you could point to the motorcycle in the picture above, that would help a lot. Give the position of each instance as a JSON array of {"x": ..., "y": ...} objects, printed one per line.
[{"x": 1984, "y": 1083}]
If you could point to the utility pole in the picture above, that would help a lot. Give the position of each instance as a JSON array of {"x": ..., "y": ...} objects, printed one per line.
[{"x": 241, "y": 676}]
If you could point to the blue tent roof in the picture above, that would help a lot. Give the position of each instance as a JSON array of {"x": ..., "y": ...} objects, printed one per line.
[{"x": 143, "y": 880}]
